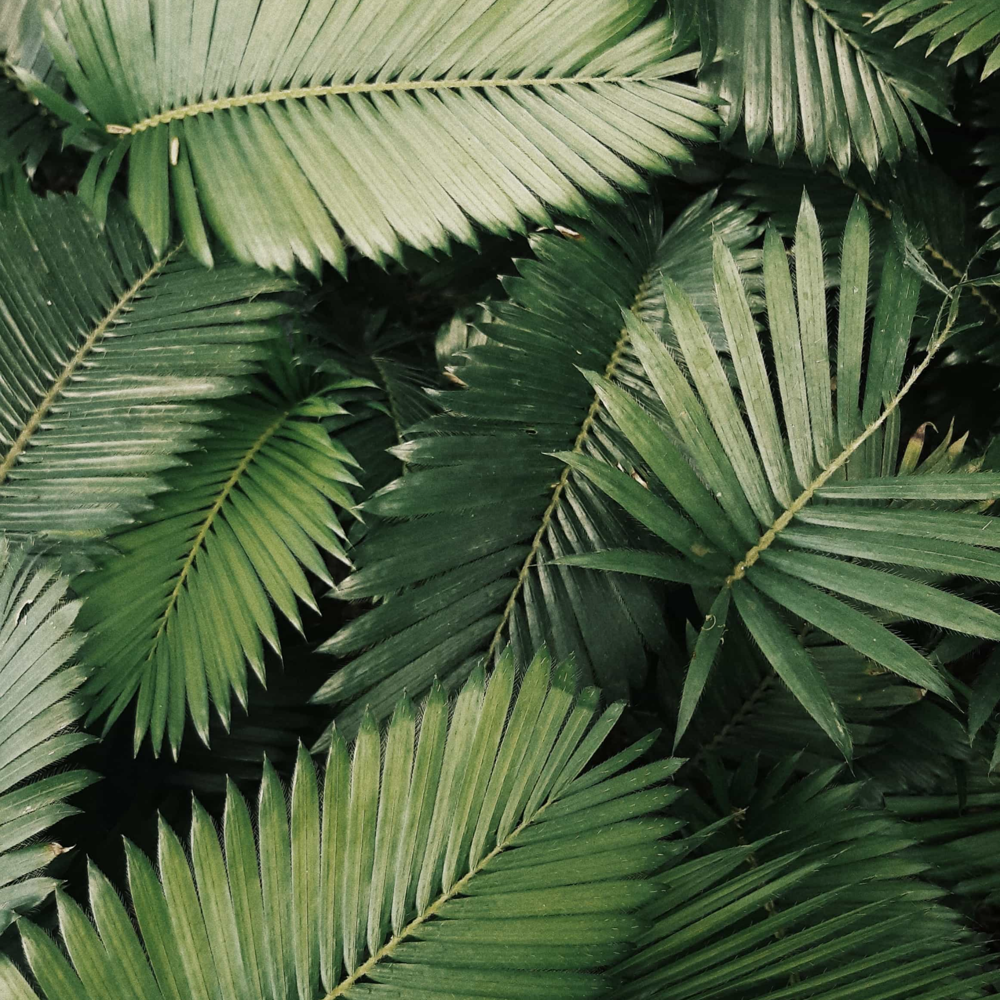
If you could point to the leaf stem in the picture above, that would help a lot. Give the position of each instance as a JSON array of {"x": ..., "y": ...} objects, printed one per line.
[
  {"x": 784, "y": 519},
  {"x": 563, "y": 481},
  {"x": 344, "y": 89},
  {"x": 91, "y": 341}
]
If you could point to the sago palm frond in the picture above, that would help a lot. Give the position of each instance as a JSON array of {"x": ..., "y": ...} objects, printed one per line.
[
  {"x": 971, "y": 24},
  {"x": 372, "y": 123},
  {"x": 187, "y": 602},
  {"x": 812, "y": 515},
  {"x": 485, "y": 509},
  {"x": 472, "y": 859},
  {"x": 108, "y": 354},
  {"x": 812, "y": 69},
  {"x": 802, "y": 894},
  {"x": 39, "y": 705}
]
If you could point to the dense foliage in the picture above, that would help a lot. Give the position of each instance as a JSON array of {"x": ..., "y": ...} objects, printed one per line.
[{"x": 497, "y": 499}]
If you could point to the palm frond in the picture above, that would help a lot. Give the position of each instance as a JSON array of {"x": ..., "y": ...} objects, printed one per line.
[
  {"x": 388, "y": 124},
  {"x": 803, "y": 893},
  {"x": 108, "y": 354},
  {"x": 484, "y": 506},
  {"x": 971, "y": 24},
  {"x": 25, "y": 131},
  {"x": 812, "y": 69},
  {"x": 39, "y": 704},
  {"x": 812, "y": 516},
  {"x": 471, "y": 860},
  {"x": 187, "y": 603}
]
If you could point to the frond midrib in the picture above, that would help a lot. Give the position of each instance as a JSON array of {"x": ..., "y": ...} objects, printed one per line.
[
  {"x": 432, "y": 910},
  {"x": 345, "y": 89},
  {"x": 767, "y": 539},
  {"x": 90, "y": 342},
  {"x": 560, "y": 488},
  {"x": 206, "y": 526}
]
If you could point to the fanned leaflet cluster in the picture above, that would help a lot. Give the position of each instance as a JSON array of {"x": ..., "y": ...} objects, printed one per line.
[
  {"x": 474, "y": 858},
  {"x": 186, "y": 602},
  {"x": 809, "y": 71},
  {"x": 383, "y": 122},
  {"x": 814, "y": 518},
  {"x": 109, "y": 354},
  {"x": 485, "y": 509},
  {"x": 39, "y": 704},
  {"x": 971, "y": 24}
]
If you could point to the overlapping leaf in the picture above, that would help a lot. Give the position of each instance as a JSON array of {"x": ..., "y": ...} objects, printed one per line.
[
  {"x": 473, "y": 859},
  {"x": 807, "y": 518},
  {"x": 39, "y": 704},
  {"x": 804, "y": 895},
  {"x": 375, "y": 124},
  {"x": 25, "y": 132},
  {"x": 811, "y": 69},
  {"x": 177, "y": 615},
  {"x": 108, "y": 354},
  {"x": 972, "y": 24},
  {"x": 485, "y": 507}
]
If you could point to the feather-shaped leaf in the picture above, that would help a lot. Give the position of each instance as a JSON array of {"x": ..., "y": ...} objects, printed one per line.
[
  {"x": 844, "y": 472},
  {"x": 187, "y": 602},
  {"x": 476, "y": 859},
  {"x": 972, "y": 25},
  {"x": 812, "y": 70},
  {"x": 108, "y": 354},
  {"x": 409, "y": 122},
  {"x": 39, "y": 705},
  {"x": 485, "y": 505}
]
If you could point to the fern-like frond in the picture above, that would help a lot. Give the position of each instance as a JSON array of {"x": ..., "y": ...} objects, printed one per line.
[
  {"x": 809, "y": 515},
  {"x": 486, "y": 509},
  {"x": 972, "y": 24},
  {"x": 812, "y": 69},
  {"x": 108, "y": 354},
  {"x": 386, "y": 124},
  {"x": 804, "y": 894},
  {"x": 187, "y": 602},
  {"x": 39, "y": 705},
  {"x": 474, "y": 858}
]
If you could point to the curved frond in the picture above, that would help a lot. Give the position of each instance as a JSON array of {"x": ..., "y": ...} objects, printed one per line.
[
  {"x": 108, "y": 353},
  {"x": 812, "y": 69},
  {"x": 411, "y": 122},
  {"x": 486, "y": 509},
  {"x": 39, "y": 704},
  {"x": 803, "y": 894},
  {"x": 810, "y": 515},
  {"x": 187, "y": 602},
  {"x": 472, "y": 859},
  {"x": 972, "y": 25}
]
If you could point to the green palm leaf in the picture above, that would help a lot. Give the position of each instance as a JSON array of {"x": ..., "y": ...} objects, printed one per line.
[
  {"x": 804, "y": 894},
  {"x": 472, "y": 859},
  {"x": 187, "y": 603},
  {"x": 25, "y": 132},
  {"x": 809, "y": 515},
  {"x": 108, "y": 353},
  {"x": 484, "y": 506},
  {"x": 408, "y": 122},
  {"x": 811, "y": 67},
  {"x": 987, "y": 156},
  {"x": 974, "y": 23},
  {"x": 39, "y": 704}
]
